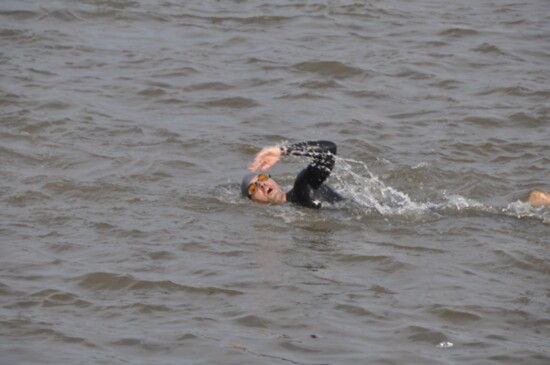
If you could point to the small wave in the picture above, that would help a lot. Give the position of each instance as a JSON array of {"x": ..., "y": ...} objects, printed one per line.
[
  {"x": 489, "y": 48},
  {"x": 53, "y": 297},
  {"x": 63, "y": 15},
  {"x": 152, "y": 92},
  {"x": 409, "y": 73},
  {"x": 27, "y": 197},
  {"x": 523, "y": 261},
  {"x": 20, "y": 157},
  {"x": 385, "y": 264},
  {"x": 90, "y": 191},
  {"x": 447, "y": 84},
  {"x": 328, "y": 68},
  {"x": 6, "y": 290},
  {"x": 354, "y": 310},
  {"x": 265, "y": 19},
  {"x": 173, "y": 74},
  {"x": 518, "y": 91},
  {"x": 116, "y": 282},
  {"x": 217, "y": 86},
  {"x": 422, "y": 334},
  {"x": 261, "y": 20},
  {"x": 11, "y": 33},
  {"x": 54, "y": 104},
  {"x": 484, "y": 122},
  {"x": 364, "y": 94},
  {"x": 117, "y": 4},
  {"x": 232, "y": 102},
  {"x": 455, "y": 316},
  {"x": 309, "y": 96},
  {"x": 253, "y": 321},
  {"x": 41, "y": 330},
  {"x": 528, "y": 119},
  {"x": 315, "y": 84},
  {"x": 20, "y": 14},
  {"x": 458, "y": 32}
]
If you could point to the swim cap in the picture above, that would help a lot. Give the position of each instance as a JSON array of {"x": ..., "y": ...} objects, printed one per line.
[{"x": 246, "y": 182}]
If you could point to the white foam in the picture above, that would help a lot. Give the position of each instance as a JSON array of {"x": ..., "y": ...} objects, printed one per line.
[
  {"x": 445, "y": 345},
  {"x": 356, "y": 181}
]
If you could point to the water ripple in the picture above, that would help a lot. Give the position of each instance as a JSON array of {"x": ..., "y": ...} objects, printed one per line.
[{"x": 116, "y": 282}]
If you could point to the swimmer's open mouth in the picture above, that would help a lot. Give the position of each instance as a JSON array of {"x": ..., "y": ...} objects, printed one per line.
[{"x": 269, "y": 190}]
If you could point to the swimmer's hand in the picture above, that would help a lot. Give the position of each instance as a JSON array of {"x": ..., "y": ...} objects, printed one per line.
[{"x": 266, "y": 158}]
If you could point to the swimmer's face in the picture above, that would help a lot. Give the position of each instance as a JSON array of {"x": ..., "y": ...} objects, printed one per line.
[{"x": 265, "y": 190}]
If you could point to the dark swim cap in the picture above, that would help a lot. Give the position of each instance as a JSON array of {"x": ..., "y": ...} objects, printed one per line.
[{"x": 247, "y": 179}]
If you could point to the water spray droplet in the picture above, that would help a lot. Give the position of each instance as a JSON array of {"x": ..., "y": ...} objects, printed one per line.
[{"x": 445, "y": 345}]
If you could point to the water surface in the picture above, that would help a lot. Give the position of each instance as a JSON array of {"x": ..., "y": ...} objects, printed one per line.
[{"x": 125, "y": 127}]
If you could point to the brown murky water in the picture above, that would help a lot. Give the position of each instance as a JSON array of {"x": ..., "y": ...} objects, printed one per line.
[{"x": 125, "y": 127}]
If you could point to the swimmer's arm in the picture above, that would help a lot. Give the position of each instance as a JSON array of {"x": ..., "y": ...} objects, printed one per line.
[
  {"x": 309, "y": 148},
  {"x": 323, "y": 161},
  {"x": 321, "y": 151}
]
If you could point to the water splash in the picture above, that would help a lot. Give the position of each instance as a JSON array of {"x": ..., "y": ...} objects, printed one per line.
[
  {"x": 356, "y": 181},
  {"x": 445, "y": 345},
  {"x": 366, "y": 190},
  {"x": 368, "y": 194},
  {"x": 521, "y": 209}
]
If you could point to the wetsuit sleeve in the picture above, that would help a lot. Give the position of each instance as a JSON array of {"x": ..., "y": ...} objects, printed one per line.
[{"x": 322, "y": 154}]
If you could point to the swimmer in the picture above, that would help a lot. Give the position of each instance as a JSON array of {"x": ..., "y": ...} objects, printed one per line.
[
  {"x": 309, "y": 188},
  {"x": 539, "y": 198}
]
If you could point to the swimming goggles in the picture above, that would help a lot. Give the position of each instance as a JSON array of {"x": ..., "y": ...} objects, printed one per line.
[{"x": 254, "y": 186}]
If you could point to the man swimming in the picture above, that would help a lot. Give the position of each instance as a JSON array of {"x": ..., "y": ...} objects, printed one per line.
[{"x": 309, "y": 188}]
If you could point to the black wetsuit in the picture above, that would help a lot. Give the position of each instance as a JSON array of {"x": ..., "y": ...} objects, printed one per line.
[{"x": 309, "y": 188}]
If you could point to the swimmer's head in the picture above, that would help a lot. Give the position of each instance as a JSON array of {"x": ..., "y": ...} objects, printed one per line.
[
  {"x": 247, "y": 180},
  {"x": 261, "y": 188}
]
